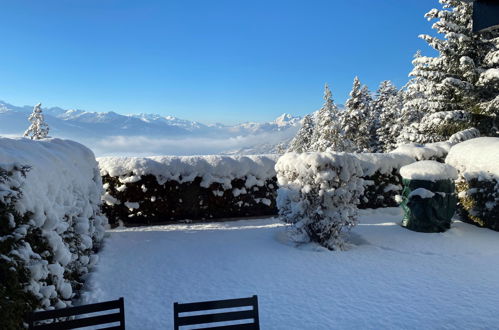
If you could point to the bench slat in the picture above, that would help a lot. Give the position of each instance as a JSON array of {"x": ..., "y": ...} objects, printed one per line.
[
  {"x": 84, "y": 322},
  {"x": 217, "y": 317},
  {"x": 215, "y": 304},
  {"x": 76, "y": 310},
  {"x": 245, "y": 326}
]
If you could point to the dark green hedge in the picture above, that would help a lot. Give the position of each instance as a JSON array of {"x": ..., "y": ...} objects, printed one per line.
[
  {"x": 380, "y": 190},
  {"x": 479, "y": 202},
  {"x": 174, "y": 201},
  {"x": 14, "y": 277}
]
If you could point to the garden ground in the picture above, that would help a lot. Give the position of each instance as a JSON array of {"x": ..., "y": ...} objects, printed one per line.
[{"x": 390, "y": 278}]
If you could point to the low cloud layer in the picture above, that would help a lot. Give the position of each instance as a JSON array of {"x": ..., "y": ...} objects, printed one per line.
[{"x": 148, "y": 146}]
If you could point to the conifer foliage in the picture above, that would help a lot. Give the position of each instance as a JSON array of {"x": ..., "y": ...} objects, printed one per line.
[
  {"x": 38, "y": 129},
  {"x": 387, "y": 109},
  {"x": 358, "y": 122},
  {"x": 327, "y": 135},
  {"x": 302, "y": 141},
  {"x": 459, "y": 81}
]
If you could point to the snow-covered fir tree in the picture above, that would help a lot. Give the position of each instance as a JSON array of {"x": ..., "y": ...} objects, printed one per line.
[
  {"x": 303, "y": 139},
  {"x": 450, "y": 81},
  {"x": 327, "y": 134},
  {"x": 488, "y": 82},
  {"x": 38, "y": 128},
  {"x": 387, "y": 107},
  {"x": 358, "y": 122}
]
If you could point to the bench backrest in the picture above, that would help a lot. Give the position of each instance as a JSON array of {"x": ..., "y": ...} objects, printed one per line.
[
  {"x": 119, "y": 316},
  {"x": 228, "y": 316}
]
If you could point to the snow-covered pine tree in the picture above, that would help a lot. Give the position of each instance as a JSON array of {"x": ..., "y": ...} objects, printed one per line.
[
  {"x": 38, "y": 128},
  {"x": 488, "y": 81},
  {"x": 387, "y": 107},
  {"x": 327, "y": 134},
  {"x": 450, "y": 81},
  {"x": 358, "y": 121},
  {"x": 303, "y": 139}
]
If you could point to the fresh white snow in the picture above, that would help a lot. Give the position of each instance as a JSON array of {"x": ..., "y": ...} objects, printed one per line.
[
  {"x": 428, "y": 170},
  {"x": 421, "y": 192},
  {"x": 390, "y": 278},
  {"x": 384, "y": 163},
  {"x": 476, "y": 157},
  {"x": 221, "y": 169},
  {"x": 424, "y": 152}
]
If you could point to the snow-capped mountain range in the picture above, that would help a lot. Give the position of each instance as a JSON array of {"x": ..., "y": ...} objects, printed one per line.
[{"x": 110, "y": 133}]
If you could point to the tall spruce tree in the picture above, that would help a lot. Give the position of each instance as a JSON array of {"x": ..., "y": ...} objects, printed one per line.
[
  {"x": 449, "y": 82},
  {"x": 358, "y": 121},
  {"x": 327, "y": 135},
  {"x": 488, "y": 82},
  {"x": 387, "y": 107}
]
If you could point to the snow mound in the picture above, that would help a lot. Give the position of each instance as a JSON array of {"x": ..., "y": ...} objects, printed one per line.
[
  {"x": 221, "y": 169},
  {"x": 382, "y": 162},
  {"x": 424, "y": 152},
  {"x": 476, "y": 157},
  {"x": 428, "y": 170}
]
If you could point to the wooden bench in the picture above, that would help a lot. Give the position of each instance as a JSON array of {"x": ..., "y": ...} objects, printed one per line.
[
  {"x": 228, "y": 316},
  {"x": 119, "y": 316}
]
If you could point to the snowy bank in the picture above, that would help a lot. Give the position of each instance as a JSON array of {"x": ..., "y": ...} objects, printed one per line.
[
  {"x": 477, "y": 161},
  {"x": 159, "y": 189},
  {"x": 50, "y": 195}
]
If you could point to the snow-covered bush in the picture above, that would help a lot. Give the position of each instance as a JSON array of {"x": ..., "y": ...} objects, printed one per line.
[
  {"x": 50, "y": 224},
  {"x": 159, "y": 189},
  {"x": 477, "y": 161},
  {"x": 318, "y": 194},
  {"x": 382, "y": 180}
]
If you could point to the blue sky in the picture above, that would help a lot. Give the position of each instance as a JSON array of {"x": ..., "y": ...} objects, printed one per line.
[{"x": 207, "y": 60}]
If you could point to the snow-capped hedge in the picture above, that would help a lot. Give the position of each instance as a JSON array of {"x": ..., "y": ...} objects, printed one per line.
[
  {"x": 50, "y": 224},
  {"x": 158, "y": 189},
  {"x": 382, "y": 181},
  {"x": 318, "y": 195},
  {"x": 477, "y": 161},
  {"x": 431, "y": 151},
  {"x": 428, "y": 170}
]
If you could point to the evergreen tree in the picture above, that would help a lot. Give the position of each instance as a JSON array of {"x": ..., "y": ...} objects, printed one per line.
[
  {"x": 327, "y": 135},
  {"x": 488, "y": 82},
  {"x": 38, "y": 128},
  {"x": 358, "y": 121},
  {"x": 303, "y": 139},
  {"x": 387, "y": 107},
  {"x": 451, "y": 81}
]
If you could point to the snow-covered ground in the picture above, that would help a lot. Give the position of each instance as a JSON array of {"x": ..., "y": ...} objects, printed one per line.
[{"x": 391, "y": 278}]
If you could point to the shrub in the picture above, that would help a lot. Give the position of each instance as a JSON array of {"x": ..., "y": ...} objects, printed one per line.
[
  {"x": 478, "y": 184},
  {"x": 50, "y": 224},
  {"x": 318, "y": 195}
]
